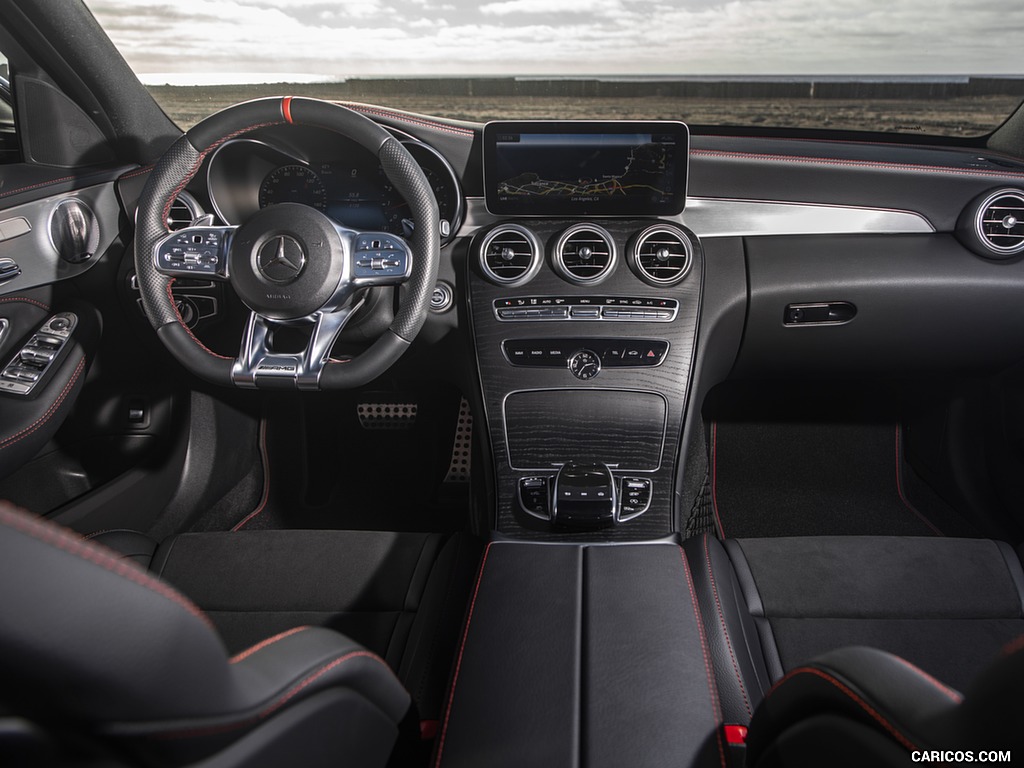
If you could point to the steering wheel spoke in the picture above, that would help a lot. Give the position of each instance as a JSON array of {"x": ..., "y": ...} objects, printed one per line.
[
  {"x": 192, "y": 251},
  {"x": 259, "y": 366}
]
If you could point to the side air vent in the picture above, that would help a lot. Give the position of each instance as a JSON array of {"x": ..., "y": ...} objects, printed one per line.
[
  {"x": 1001, "y": 222},
  {"x": 510, "y": 255},
  {"x": 584, "y": 254},
  {"x": 184, "y": 210},
  {"x": 993, "y": 224},
  {"x": 661, "y": 255}
]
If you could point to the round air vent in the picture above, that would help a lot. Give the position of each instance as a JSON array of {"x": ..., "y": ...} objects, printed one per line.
[
  {"x": 993, "y": 224},
  {"x": 584, "y": 254},
  {"x": 74, "y": 231},
  {"x": 184, "y": 210},
  {"x": 661, "y": 255},
  {"x": 510, "y": 255}
]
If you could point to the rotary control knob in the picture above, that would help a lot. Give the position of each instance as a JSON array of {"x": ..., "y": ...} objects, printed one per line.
[{"x": 584, "y": 364}]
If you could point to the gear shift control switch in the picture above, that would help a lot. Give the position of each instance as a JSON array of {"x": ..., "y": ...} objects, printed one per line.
[{"x": 583, "y": 496}]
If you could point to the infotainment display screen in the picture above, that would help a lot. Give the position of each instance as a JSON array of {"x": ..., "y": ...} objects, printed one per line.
[{"x": 571, "y": 168}]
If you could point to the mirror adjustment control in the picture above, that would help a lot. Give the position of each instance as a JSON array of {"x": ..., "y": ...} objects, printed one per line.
[{"x": 28, "y": 367}]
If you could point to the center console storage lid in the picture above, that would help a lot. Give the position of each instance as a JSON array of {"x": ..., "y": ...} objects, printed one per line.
[{"x": 582, "y": 655}]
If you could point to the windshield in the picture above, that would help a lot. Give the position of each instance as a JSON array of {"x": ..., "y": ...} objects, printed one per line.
[{"x": 913, "y": 67}]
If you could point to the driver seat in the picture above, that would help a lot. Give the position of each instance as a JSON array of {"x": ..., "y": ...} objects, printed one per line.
[{"x": 100, "y": 660}]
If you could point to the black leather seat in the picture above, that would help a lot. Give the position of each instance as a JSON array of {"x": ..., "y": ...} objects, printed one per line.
[
  {"x": 861, "y": 706},
  {"x": 779, "y": 615},
  {"x": 106, "y": 660}
]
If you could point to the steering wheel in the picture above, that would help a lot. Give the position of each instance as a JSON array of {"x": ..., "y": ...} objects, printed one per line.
[{"x": 290, "y": 264}]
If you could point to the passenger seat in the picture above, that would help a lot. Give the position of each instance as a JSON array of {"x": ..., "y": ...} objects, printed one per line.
[{"x": 772, "y": 608}]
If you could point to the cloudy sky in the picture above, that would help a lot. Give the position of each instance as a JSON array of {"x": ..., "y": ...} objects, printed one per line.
[{"x": 194, "y": 39}]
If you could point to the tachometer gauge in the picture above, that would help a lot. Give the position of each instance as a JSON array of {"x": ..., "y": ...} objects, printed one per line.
[
  {"x": 293, "y": 184},
  {"x": 443, "y": 183}
]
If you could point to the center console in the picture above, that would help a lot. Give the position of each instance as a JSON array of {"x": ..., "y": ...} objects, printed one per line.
[{"x": 585, "y": 295}]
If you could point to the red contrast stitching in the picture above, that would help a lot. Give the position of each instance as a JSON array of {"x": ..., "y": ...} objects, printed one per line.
[
  {"x": 956, "y": 697},
  {"x": 854, "y": 697},
  {"x": 401, "y": 117},
  {"x": 458, "y": 663},
  {"x": 177, "y": 314},
  {"x": 272, "y": 708},
  {"x": 57, "y": 537},
  {"x": 27, "y": 300},
  {"x": 1014, "y": 647},
  {"x": 265, "y": 459},
  {"x": 37, "y": 186},
  {"x": 714, "y": 478},
  {"x": 716, "y": 710},
  {"x": 899, "y": 486},
  {"x": 269, "y": 641},
  {"x": 725, "y": 631},
  {"x": 137, "y": 172},
  {"x": 7, "y": 442},
  {"x": 202, "y": 156},
  {"x": 867, "y": 164}
]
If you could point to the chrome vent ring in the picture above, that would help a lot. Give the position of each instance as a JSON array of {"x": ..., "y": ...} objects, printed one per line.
[
  {"x": 584, "y": 254},
  {"x": 510, "y": 255},
  {"x": 661, "y": 255},
  {"x": 999, "y": 222}
]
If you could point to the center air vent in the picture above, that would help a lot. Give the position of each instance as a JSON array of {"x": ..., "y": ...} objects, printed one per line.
[
  {"x": 584, "y": 254},
  {"x": 661, "y": 255},
  {"x": 184, "y": 210},
  {"x": 510, "y": 255},
  {"x": 1000, "y": 222}
]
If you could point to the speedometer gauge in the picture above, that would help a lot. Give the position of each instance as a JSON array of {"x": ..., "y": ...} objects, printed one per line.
[{"x": 293, "y": 184}]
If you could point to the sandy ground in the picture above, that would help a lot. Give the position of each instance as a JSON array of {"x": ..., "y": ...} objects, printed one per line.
[{"x": 956, "y": 117}]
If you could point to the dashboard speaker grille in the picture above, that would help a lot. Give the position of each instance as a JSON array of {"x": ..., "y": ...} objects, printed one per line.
[
  {"x": 1000, "y": 222},
  {"x": 510, "y": 255},
  {"x": 585, "y": 254},
  {"x": 661, "y": 256}
]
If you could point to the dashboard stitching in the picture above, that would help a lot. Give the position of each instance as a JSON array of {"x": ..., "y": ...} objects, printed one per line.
[
  {"x": 136, "y": 172},
  {"x": 37, "y": 186},
  {"x": 27, "y": 300},
  {"x": 381, "y": 112},
  {"x": 856, "y": 163}
]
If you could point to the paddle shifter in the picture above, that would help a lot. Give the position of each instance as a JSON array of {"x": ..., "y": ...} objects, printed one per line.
[{"x": 583, "y": 496}]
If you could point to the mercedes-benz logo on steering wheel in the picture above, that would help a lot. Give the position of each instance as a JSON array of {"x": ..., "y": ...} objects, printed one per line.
[{"x": 281, "y": 259}]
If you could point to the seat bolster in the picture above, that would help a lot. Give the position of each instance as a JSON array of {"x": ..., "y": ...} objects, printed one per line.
[
  {"x": 304, "y": 660},
  {"x": 865, "y": 685},
  {"x": 732, "y": 637}
]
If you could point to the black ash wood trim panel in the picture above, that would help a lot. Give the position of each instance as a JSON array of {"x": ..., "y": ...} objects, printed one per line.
[
  {"x": 499, "y": 378},
  {"x": 545, "y": 426}
]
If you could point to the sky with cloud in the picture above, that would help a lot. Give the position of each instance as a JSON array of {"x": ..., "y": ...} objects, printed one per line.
[{"x": 194, "y": 39}]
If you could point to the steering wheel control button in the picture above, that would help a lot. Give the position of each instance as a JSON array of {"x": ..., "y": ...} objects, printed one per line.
[
  {"x": 192, "y": 251},
  {"x": 380, "y": 259},
  {"x": 34, "y": 360},
  {"x": 587, "y": 308},
  {"x": 561, "y": 353},
  {"x": 281, "y": 260}
]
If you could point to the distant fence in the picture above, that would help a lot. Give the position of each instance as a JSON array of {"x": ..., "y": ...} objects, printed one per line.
[
  {"x": 357, "y": 88},
  {"x": 681, "y": 89}
]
